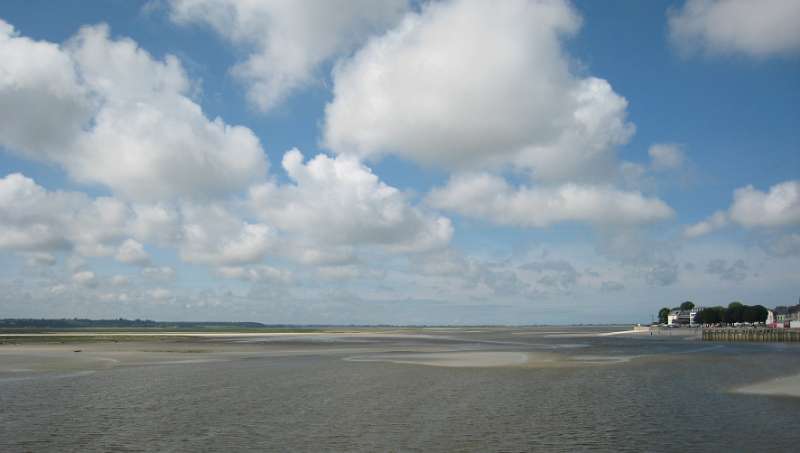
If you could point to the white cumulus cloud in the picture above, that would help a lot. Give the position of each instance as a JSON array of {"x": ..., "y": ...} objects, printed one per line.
[
  {"x": 754, "y": 28},
  {"x": 491, "y": 198},
  {"x": 717, "y": 220},
  {"x": 33, "y": 218},
  {"x": 287, "y": 41},
  {"x": 85, "y": 278},
  {"x": 132, "y": 252},
  {"x": 752, "y": 208},
  {"x": 778, "y": 207},
  {"x": 214, "y": 235},
  {"x": 471, "y": 84},
  {"x": 114, "y": 115},
  {"x": 339, "y": 201}
]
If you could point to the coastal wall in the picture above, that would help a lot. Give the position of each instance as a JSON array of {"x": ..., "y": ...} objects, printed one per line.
[
  {"x": 683, "y": 332},
  {"x": 753, "y": 335}
]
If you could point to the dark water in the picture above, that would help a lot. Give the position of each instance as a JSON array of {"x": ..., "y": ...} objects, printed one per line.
[{"x": 672, "y": 396}]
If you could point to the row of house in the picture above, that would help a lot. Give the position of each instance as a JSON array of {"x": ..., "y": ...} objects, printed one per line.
[
  {"x": 778, "y": 318},
  {"x": 784, "y": 317}
]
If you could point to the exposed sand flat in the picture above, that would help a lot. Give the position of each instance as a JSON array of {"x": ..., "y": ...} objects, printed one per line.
[
  {"x": 785, "y": 386},
  {"x": 625, "y": 332},
  {"x": 63, "y": 355},
  {"x": 580, "y": 334},
  {"x": 70, "y": 352},
  {"x": 477, "y": 359},
  {"x": 490, "y": 359}
]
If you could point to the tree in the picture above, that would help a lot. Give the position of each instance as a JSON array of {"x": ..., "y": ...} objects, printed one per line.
[
  {"x": 755, "y": 313},
  {"x": 734, "y": 313},
  {"x": 711, "y": 315},
  {"x": 761, "y": 313},
  {"x": 706, "y": 316},
  {"x": 688, "y": 305},
  {"x": 662, "y": 315}
]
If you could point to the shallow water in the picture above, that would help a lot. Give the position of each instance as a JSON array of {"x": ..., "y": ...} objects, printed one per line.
[{"x": 617, "y": 394}]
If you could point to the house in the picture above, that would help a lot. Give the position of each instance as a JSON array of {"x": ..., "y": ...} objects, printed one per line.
[
  {"x": 682, "y": 317},
  {"x": 783, "y": 316}
]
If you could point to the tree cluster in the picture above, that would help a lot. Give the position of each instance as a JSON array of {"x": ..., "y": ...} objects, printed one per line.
[{"x": 736, "y": 312}]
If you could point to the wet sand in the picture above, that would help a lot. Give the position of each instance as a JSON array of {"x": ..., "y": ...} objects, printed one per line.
[
  {"x": 475, "y": 389},
  {"x": 785, "y": 386},
  {"x": 66, "y": 352},
  {"x": 467, "y": 359}
]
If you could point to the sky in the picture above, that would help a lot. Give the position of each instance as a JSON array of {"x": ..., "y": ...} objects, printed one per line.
[{"x": 395, "y": 162}]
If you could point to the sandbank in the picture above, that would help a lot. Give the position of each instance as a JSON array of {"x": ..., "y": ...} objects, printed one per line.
[{"x": 784, "y": 386}]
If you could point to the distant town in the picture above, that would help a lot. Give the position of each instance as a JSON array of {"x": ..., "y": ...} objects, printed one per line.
[{"x": 736, "y": 314}]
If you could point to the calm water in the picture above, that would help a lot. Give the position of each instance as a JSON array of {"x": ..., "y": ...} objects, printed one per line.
[{"x": 672, "y": 396}]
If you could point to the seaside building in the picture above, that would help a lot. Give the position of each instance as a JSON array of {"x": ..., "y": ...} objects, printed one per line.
[
  {"x": 784, "y": 317},
  {"x": 682, "y": 317}
]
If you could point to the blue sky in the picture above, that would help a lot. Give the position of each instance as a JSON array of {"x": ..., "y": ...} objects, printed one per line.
[{"x": 539, "y": 162}]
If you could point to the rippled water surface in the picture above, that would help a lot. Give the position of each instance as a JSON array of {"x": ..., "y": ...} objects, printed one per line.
[{"x": 346, "y": 394}]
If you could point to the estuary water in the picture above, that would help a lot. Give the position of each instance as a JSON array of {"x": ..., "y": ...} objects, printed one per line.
[{"x": 490, "y": 389}]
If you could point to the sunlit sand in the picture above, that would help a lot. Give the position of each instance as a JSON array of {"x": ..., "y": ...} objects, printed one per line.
[{"x": 464, "y": 359}]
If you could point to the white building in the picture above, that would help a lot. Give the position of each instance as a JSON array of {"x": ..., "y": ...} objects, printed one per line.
[{"x": 682, "y": 317}]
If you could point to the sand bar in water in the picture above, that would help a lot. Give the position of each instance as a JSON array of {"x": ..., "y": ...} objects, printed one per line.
[{"x": 785, "y": 386}]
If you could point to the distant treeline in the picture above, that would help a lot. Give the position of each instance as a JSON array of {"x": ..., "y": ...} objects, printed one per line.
[
  {"x": 134, "y": 323},
  {"x": 736, "y": 312}
]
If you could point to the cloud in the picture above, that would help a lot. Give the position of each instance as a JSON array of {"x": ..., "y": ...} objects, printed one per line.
[
  {"x": 558, "y": 274},
  {"x": 32, "y": 218},
  {"x": 641, "y": 254},
  {"x": 611, "y": 287},
  {"x": 112, "y": 114},
  {"x": 490, "y": 198},
  {"x": 286, "y": 42},
  {"x": 132, "y": 252},
  {"x": 779, "y": 207},
  {"x": 468, "y": 85},
  {"x": 156, "y": 223},
  {"x": 120, "y": 280},
  {"x": 783, "y": 245},
  {"x": 159, "y": 294},
  {"x": 717, "y": 220},
  {"x": 660, "y": 272},
  {"x": 40, "y": 259},
  {"x": 42, "y": 102},
  {"x": 736, "y": 271},
  {"x": 163, "y": 273},
  {"x": 666, "y": 156},
  {"x": 212, "y": 234},
  {"x": 340, "y": 202},
  {"x": 85, "y": 278},
  {"x": 331, "y": 209},
  {"x": 753, "y": 28},
  {"x": 258, "y": 274},
  {"x": 752, "y": 208}
]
